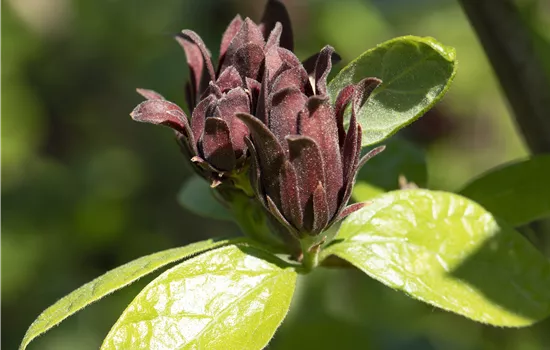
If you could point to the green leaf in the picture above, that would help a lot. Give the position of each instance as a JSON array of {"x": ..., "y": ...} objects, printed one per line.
[
  {"x": 448, "y": 251},
  {"x": 228, "y": 298},
  {"x": 363, "y": 191},
  {"x": 518, "y": 193},
  {"x": 109, "y": 283},
  {"x": 197, "y": 197},
  {"x": 416, "y": 72}
]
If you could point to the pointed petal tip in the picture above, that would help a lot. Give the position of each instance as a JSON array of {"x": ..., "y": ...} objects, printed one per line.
[
  {"x": 150, "y": 94},
  {"x": 351, "y": 209}
]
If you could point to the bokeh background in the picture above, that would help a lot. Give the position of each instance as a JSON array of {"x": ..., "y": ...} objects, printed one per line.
[{"x": 85, "y": 189}]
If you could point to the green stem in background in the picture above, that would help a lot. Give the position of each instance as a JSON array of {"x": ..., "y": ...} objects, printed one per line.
[
  {"x": 509, "y": 45},
  {"x": 510, "y": 48}
]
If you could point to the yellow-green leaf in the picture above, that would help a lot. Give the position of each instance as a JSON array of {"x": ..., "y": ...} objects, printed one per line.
[
  {"x": 448, "y": 251},
  {"x": 228, "y": 298},
  {"x": 109, "y": 283}
]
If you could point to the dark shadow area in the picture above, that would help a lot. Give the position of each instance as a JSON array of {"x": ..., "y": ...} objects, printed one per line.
[{"x": 510, "y": 272}]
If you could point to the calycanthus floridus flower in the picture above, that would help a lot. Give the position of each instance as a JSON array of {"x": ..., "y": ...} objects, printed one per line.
[
  {"x": 304, "y": 162},
  {"x": 214, "y": 138},
  {"x": 263, "y": 112}
]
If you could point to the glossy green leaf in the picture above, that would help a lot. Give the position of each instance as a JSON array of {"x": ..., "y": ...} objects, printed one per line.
[
  {"x": 197, "y": 197},
  {"x": 228, "y": 298},
  {"x": 416, "y": 72},
  {"x": 518, "y": 193},
  {"x": 448, "y": 251},
  {"x": 109, "y": 283}
]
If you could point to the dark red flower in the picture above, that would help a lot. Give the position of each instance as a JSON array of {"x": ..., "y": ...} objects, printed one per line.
[
  {"x": 304, "y": 162},
  {"x": 214, "y": 138}
]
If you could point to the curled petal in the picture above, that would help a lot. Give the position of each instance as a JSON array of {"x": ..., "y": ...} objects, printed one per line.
[
  {"x": 248, "y": 33},
  {"x": 229, "y": 79},
  {"x": 320, "y": 125},
  {"x": 274, "y": 37},
  {"x": 305, "y": 156},
  {"x": 363, "y": 90},
  {"x": 161, "y": 112},
  {"x": 285, "y": 106},
  {"x": 322, "y": 69},
  {"x": 253, "y": 88},
  {"x": 342, "y": 101},
  {"x": 290, "y": 195},
  {"x": 212, "y": 89},
  {"x": 216, "y": 144},
  {"x": 369, "y": 155},
  {"x": 309, "y": 63},
  {"x": 272, "y": 207},
  {"x": 263, "y": 107},
  {"x": 351, "y": 150},
  {"x": 235, "y": 101},
  {"x": 350, "y": 209},
  {"x": 275, "y": 11},
  {"x": 294, "y": 77},
  {"x": 270, "y": 154},
  {"x": 228, "y": 36},
  {"x": 288, "y": 57},
  {"x": 321, "y": 212},
  {"x": 255, "y": 171},
  {"x": 150, "y": 94},
  {"x": 198, "y": 58},
  {"x": 248, "y": 61},
  {"x": 200, "y": 113}
]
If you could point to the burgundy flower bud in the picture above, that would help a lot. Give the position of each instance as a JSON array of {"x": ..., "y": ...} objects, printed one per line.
[
  {"x": 304, "y": 162},
  {"x": 214, "y": 139}
]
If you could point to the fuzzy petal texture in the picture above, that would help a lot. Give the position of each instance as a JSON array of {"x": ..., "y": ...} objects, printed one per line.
[
  {"x": 216, "y": 144},
  {"x": 275, "y": 11}
]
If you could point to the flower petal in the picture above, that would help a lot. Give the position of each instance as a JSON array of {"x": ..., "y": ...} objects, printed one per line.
[
  {"x": 309, "y": 63},
  {"x": 294, "y": 77},
  {"x": 363, "y": 90},
  {"x": 351, "y": 150},
  {"x": 263, "y": 107},
  {"x": 321, "y": 212},
  {"x": 305, "y": 156},
  {"x": 290, "y": 195},
  {"x": 369, "y": 155},
  {"x": 235, "y": 101},
  {"x": 255, "y": 171},
  {"x": 320, "y": 125},
  {"x": 253, "y": 88},
  {"x": 285, "y": 106},
  {"x": 274, "y": 37},
  {"x": 161, "y": 112},
  {"x": 229, "y": 79},
  {"x": 248, "y": 60},
  {"x": 150, "y": 94},
  {"x": 232, "y": 30},
  {"x": 200, "y": 113},
  {"x": 272, "y": 207},
  {"x": 249, "y": 33},
  {"x": 322, "y": 69},
  {"x": 198, "y": 58},
  {"x": 216, "y": 144},
  {"x": 342, "y": 101},
  {"x": 350, "y": 209},
  {"x": 270, "y": 154},
  {"x": 275, "y": 11}
]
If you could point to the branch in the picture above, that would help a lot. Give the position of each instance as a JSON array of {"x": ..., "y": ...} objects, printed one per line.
[{"x": 509, "y": 46}]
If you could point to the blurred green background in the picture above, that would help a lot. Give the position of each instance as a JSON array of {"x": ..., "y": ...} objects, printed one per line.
[{"x": 85, "y": 189}]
